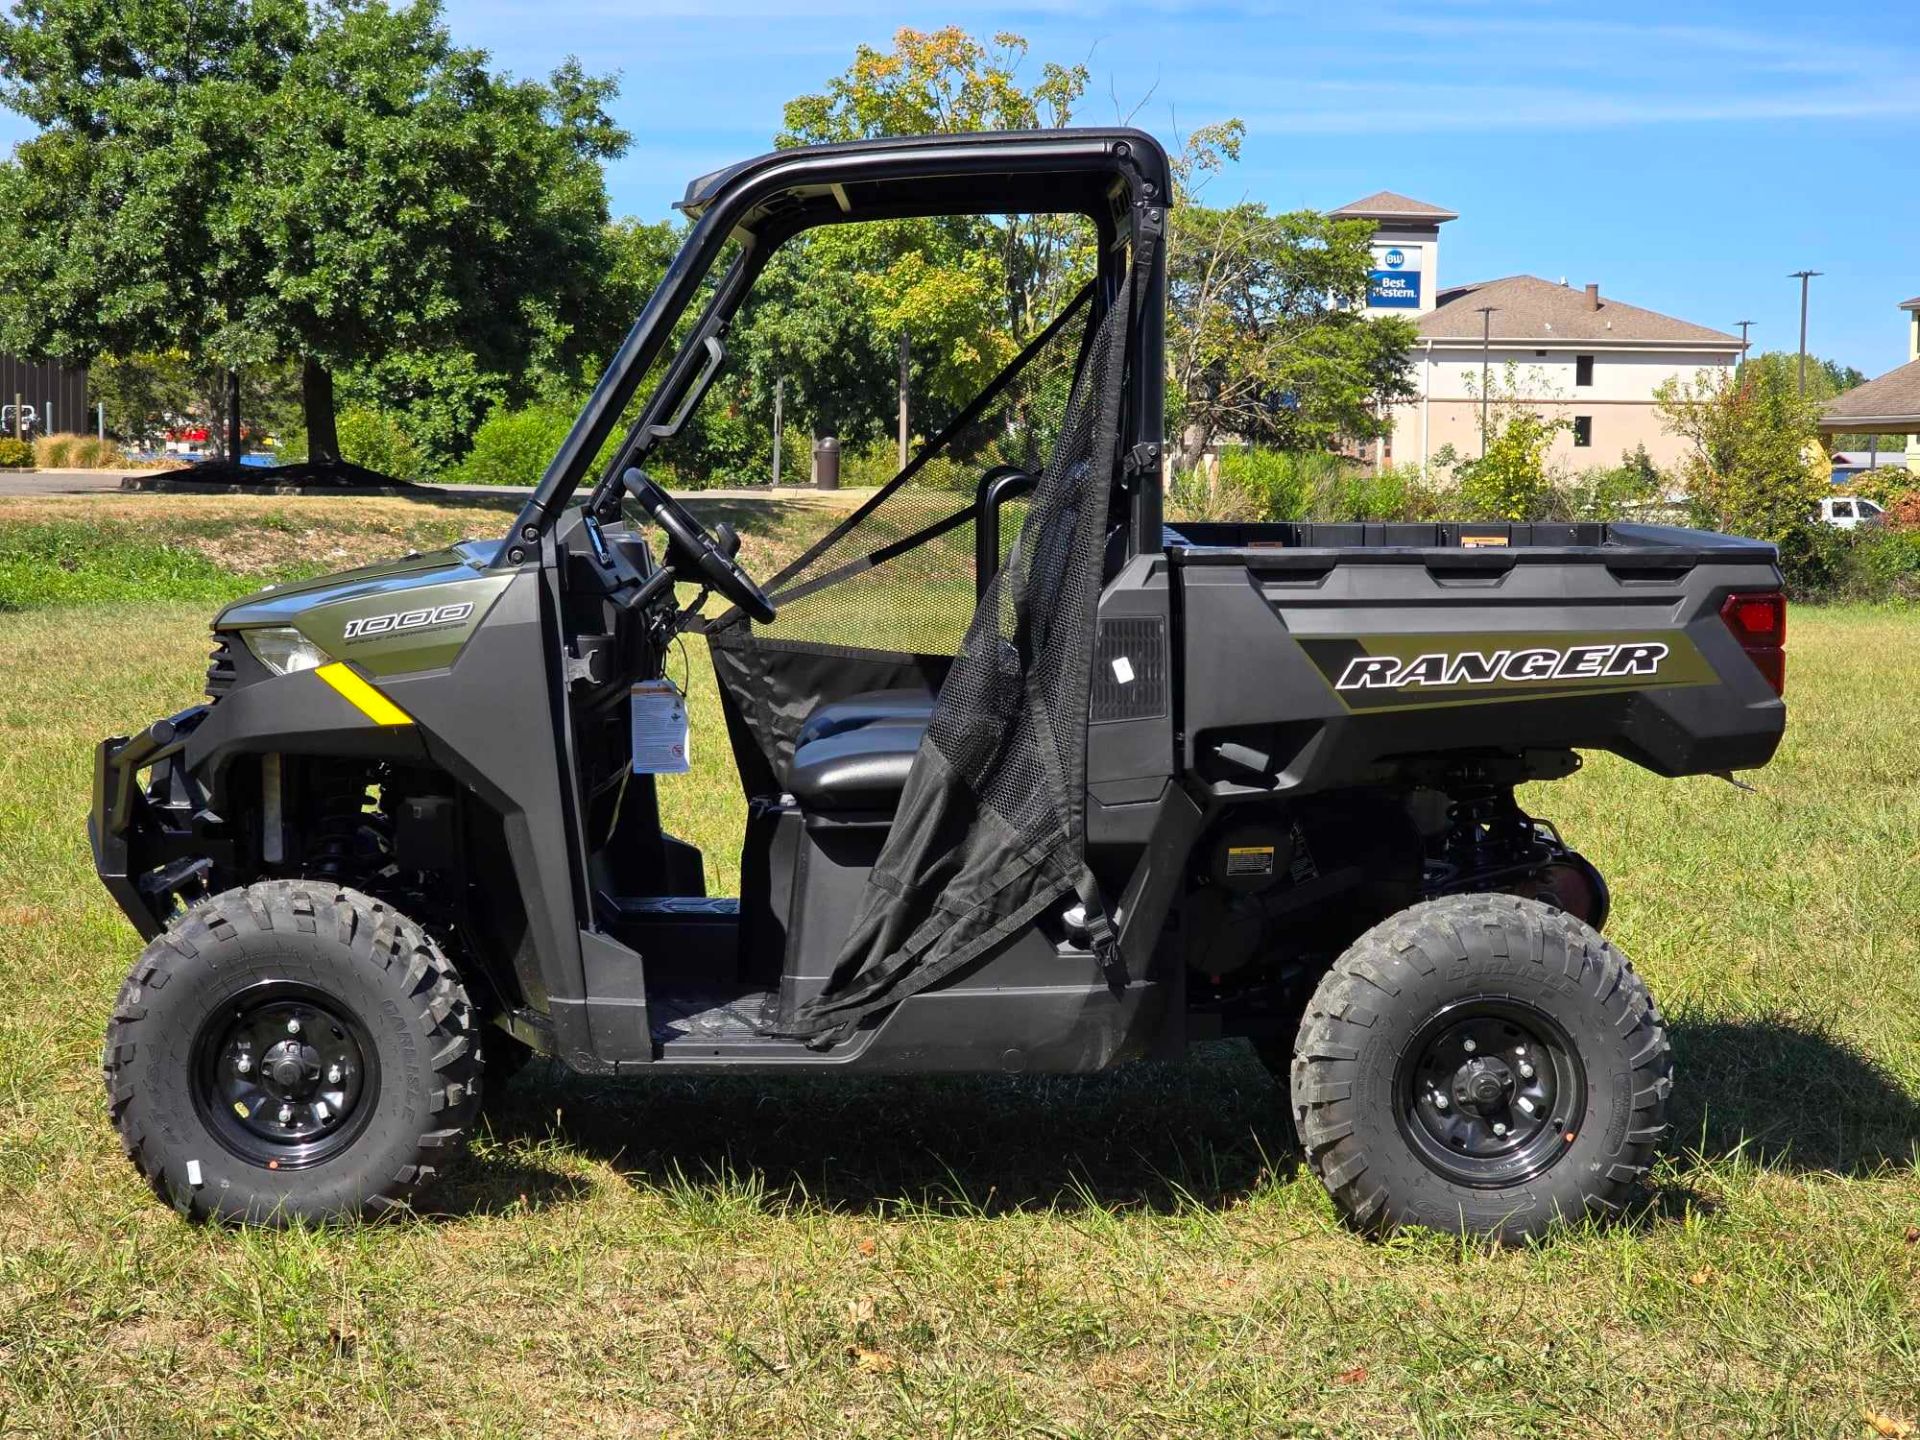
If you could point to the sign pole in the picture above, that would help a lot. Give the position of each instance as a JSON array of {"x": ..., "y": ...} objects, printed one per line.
[{"x": 779, "y": 396}]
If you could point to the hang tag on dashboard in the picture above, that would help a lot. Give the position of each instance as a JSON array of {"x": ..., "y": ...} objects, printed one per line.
[{"x": 659, "y": 729}]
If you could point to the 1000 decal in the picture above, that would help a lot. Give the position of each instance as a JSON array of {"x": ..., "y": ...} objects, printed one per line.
[{"x": 399, "y": 621}]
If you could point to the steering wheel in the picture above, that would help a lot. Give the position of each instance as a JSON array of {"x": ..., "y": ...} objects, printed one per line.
[{"x": 717, "y": 567}]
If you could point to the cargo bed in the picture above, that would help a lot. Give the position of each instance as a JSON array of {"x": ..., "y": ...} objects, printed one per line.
[{"x": 1312, "y": 656}]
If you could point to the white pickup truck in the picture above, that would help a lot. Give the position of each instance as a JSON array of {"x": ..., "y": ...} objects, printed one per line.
[{"x": 1845, "y": 512}]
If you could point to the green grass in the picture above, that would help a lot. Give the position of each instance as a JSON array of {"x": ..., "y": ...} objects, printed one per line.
[{"x": 1134, "y": 1254}]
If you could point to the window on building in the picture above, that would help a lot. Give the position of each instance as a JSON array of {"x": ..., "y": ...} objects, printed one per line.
[
  {"x": 1583, "y": 430},
  {"x": 1583, "y": 370}
]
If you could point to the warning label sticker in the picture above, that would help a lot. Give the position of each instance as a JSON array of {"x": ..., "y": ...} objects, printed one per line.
[{"x": 1250, "y": 860}]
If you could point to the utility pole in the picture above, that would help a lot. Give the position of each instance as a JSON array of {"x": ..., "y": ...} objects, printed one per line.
[
  {"x": 1486, "y": 343},
  {"x": 906, "y": 380},
  {"x": 1803, "y": 276},
  {"x": 779, "y": 398},
  {"x": 1744, "y": 325}
]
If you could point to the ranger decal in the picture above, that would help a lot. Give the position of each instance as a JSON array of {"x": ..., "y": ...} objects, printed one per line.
[
  {"x": 1419, "y": 671},
  {"x": 1476, "y": 667}
]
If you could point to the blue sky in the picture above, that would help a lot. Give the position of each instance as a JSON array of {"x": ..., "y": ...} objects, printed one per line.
[{"x": 1685, "y": 157}]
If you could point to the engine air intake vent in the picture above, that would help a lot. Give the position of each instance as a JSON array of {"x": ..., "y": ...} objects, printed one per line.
[
  {"x": 1129, "y": 670},
  {"x": 220, "y": 669}
]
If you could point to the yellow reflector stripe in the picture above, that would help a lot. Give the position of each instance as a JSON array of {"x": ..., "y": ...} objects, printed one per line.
[{"x": 364, "y": 698}]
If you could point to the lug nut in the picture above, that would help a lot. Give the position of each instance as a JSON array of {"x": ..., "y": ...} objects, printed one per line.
[
  {"x": 1468, "y": 1045},
  {"x": 243, "y": 1064},
  {"x": 293, "y": 1027},
  {"x": 322, "y": 1113},
  {"x": 1526, "y": 1071},
  {"x": 1499, "y": 1127},
  {"x": 1525, "y": 1104},
  {"x": 335, "y": 1074},
  {"x": 286, "y": 1114},
  {"x": 1439, "y": 1102}
]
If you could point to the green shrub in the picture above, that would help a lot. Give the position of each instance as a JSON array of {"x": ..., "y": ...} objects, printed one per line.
[
  {"x": 1613, "y": 492},
  {"x": 15, "y": 454},
  {"x": 1878, "y": 563},
  {"x": 870, "y": 466},
  {"x": 1210, "y": 497},
  {"x": 374, "y": 440},
  {"x": 514, "y": 447},
  {"x": 1282, "y": 483}
]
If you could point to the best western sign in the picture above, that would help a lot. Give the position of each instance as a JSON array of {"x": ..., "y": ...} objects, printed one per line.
[{"x": 1394, "y": 281}]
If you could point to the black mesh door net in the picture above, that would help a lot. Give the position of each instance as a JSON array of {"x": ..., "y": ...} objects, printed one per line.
[{"x": 990, "y": 826}]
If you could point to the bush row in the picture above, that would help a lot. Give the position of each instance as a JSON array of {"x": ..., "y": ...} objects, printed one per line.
[
  {"x": 79, "y": 452},
  {"x": 1873, "y": 563}
]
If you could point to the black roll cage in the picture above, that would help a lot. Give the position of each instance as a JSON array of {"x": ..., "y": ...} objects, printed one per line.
[{"x": 1118, "y": 177}]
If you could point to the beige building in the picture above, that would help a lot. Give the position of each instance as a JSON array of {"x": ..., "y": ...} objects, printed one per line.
[
  {"x": 1576, "y": 354},
  {"x": 1889, "y": 405}
]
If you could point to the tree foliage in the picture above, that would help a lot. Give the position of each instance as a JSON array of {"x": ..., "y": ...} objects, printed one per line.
[
  {"x": 1753, "y": 465},
  {"x": 248, "y": 181},
  {"x": 1509, "y": 479},
  {"x": 1266, "y": 338}
]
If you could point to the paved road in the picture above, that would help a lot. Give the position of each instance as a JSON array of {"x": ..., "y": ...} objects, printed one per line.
[{"x": 100, "y": 482}]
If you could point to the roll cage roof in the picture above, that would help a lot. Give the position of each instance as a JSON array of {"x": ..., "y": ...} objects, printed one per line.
[{"x": 1118, "y": 177}]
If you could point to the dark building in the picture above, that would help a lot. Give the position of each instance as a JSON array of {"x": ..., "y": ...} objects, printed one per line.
[{"x": 51, "y": 397}]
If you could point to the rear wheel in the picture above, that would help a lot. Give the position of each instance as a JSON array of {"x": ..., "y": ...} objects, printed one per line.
[
  {"x": 293, "y": 1050},
  {"x": 1482, "y": 1064}
]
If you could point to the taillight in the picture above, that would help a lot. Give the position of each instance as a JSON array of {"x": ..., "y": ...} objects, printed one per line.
[{"x": 1758, "y": 621}]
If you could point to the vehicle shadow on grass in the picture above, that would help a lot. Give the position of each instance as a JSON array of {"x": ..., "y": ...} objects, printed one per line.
[
  {"x": 1160, "y": 1136},
  {"x": 1788, "y": 1095}
]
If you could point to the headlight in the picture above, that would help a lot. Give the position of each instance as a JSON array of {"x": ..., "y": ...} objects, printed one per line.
[{"x": 284, "y": 650}]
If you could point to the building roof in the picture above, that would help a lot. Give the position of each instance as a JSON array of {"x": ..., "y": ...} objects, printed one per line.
[
  {"x": 1889, "y": 403},
  {"x": 1385, "y": 205},
  {"x": 1913, "y": 304},
  {"x": 1531, "y": 310}
]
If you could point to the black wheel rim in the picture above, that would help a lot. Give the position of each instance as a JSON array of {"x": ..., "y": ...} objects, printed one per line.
[
  {"x": 1491, "y": 1092},
  {"x": 284, "y": 1075}
]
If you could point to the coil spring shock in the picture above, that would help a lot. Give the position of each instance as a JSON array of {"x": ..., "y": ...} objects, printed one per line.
[
  {"x": 1486, "y": 828},
  {"x": 344, "y": 840}
]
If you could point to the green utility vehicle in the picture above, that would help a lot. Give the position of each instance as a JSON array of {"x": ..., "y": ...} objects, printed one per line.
[{"x": 1033, "y": 780}]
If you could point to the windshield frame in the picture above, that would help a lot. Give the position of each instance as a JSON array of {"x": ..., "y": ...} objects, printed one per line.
[{"x": 763, "y": 202}]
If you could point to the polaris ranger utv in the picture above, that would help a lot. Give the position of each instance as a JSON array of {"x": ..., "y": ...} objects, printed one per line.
[{"x": 1033, "y": 780}]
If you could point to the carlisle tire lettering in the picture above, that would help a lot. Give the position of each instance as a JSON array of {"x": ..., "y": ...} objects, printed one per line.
[{"x": 1474, "y": 667}]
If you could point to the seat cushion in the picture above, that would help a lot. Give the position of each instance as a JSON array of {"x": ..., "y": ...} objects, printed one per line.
[
  {"x": 862, "y": 768},
  {"x": 869, "y": 707},
  {"x": 854, "y": 753}
]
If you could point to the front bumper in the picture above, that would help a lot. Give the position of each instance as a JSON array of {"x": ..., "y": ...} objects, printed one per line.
[{"x": 155, "y": 843}]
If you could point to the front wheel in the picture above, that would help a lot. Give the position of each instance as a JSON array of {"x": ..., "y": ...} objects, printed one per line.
[
  {"x": 1481, "y": 1064},
  {"x": 292, "y": 1050}
]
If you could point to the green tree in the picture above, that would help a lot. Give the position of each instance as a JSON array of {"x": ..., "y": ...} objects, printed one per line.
[
  {"x": 945, "y": 82},
  {"x": 1754, "y": 466},
  {"x": 336, "y": 184},
  {"x": 1509, "y": 480},
  {"x": 1266, "y": 338}
]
